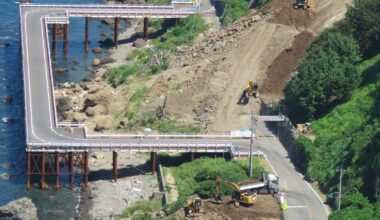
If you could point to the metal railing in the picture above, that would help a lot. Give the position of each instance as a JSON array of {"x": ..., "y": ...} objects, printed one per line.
[{"x": 141, "y": 146}]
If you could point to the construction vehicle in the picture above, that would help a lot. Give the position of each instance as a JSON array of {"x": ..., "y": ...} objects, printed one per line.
[
  {"x": 268, "y": 185},
  {"x": 241, "y": 194},
  {"x": 303, "y": 4},
  {"x": 304, "y": 128},
  {"x": 251, "y": 90},
  {"x": 193, "y": 206}
]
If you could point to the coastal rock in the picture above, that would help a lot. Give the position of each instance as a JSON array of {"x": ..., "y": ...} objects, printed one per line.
[
  {"x": 98, "y": 109},
  {"x": 97, "y": 50},
  {"x": 139, "y": 43},
  {"x": 22, "y": 208},
  {"x": 106, "y": 60},
  {"x": 5, "y": 176},
  {"x": 79, "y": 117},
  {"x": 5, "y": 45},
  {"x": 103, "y": 123},
  {"x": 7, "y": 99},
  {"x": 96, "y": 62},
  {"x": 61, "y": 70},
  {"x": 108, "y": 42},
  {"x": 6, "y": 120}
]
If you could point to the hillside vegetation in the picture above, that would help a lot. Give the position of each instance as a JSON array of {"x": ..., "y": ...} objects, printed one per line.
[
  {"x": 198, "y": 177},
  {"x": 337, "y": 88}
]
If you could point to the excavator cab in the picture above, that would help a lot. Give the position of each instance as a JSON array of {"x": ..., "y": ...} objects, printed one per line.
[
  {"x": 238, "y": 196},
  {"x": 252, "y": 89},
  {"x": 303, "y": 4}
]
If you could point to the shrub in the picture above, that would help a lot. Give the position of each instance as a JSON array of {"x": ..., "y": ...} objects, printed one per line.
[{"x": 234, "y": 9}]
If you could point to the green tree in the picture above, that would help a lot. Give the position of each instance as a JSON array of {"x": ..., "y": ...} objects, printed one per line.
[
  {"x": 326, "y": 75},
  {"x": 363, "y": 17},
  {"x": 354, "y": 207}
]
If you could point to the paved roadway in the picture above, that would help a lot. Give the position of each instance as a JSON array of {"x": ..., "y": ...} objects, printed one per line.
[
  {"x": 42, "y": 133},
  {"x": 303, "y": 204}
]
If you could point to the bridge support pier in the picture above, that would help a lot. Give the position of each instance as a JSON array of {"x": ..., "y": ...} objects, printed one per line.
[
  {"x": 85, "y": 169},
  {"x": 28, "y": 162},
  {"x": 43, "y": 170},
  {"x": 71, "y": 170},
  {"x": 153, "y": 158},
  {"x": 55, "y": 35},
  {"x": 116, "y": 32},
  {"x": 146, "y": 23},
  {"x": 66, "y": 39},
  {"x": 57, "y": 170},
  {"x": 87, "y": 27},
  {"x": 192, "y": 156},
  {"x": 114, "y": 165}
]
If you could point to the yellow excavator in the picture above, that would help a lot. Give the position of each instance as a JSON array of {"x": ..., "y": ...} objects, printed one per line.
[
  {"x": 303, "y": 4},
  {"x": 193, "y": 206},
  {"x": 241, "y": 195},
  {"x": 252, "y": 89}
]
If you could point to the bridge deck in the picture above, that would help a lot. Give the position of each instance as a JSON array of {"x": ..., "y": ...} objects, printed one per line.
[{"x": 43, "y": 130}]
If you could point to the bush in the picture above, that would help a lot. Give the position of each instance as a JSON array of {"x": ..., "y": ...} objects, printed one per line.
[
  {"x": 141, "y": 210},
  {"x": 184, "y": 33},
  {"x": 234, "y": 9},
  {"x": 120, "y": 74}
]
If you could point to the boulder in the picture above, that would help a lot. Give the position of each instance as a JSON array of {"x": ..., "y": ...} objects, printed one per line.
[
  {"x": 19, "y": 209},
  {"x": 98, "y": 155},
  {"x": 96, "y": 62},
  {"x": 88, "y": 103},
  {"x": 7, "y": 99},
  {"x": 79, "y": 117},
  {"x": 139, "y": 43},
  {"x": 5, "y": 176},
  {"x": 96, "y": 110},
  {"x": 97, "y": 50},
  {"x": 61, "y": 70},
  {"x": 103, "y": 122}
]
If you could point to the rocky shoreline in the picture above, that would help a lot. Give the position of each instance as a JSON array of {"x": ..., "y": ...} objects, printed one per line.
[
  {"x": 23, "y": 209},
  {"x": 106, "y": 199}
]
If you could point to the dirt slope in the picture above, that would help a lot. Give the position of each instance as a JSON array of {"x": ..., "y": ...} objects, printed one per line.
[{"x": 217, "y": 68}]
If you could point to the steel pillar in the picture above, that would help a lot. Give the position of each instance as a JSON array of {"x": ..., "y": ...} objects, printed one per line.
[
  {"x": 192, "y": 156},
  {"x": 57, "y": 170},
  {"x": 43, "y": 170},
  {"x": 87, "y": 27},
  {"x": 85, "y": 168},
  {"x": 114, "y": 165},
  {"x": 116, "y": 32},
  {"x": 55, "y": 36},
  {"x": 66, "y": 39},
  {"x": 71, "y": 169},
  {"x": 28, "y": 162},
  {"x": 153, "y": 156},
  {"x": 146, "y": 23}
]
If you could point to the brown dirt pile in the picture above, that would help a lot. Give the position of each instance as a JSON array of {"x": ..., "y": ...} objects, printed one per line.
[
  {"x": 266, "y": 208},
  {"x": 280, "y": 71},
  {"x": 287, "y": 15}
]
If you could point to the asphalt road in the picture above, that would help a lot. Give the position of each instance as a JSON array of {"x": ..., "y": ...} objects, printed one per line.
[
  {"x": 39, "y": 101},
  {"x": 301, "y": 200}
]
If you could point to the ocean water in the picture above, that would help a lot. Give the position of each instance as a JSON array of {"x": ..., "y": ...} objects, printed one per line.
[{"x": 51, "y": 204}]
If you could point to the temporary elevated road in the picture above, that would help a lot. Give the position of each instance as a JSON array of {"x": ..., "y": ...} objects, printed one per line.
[{"x": 44, "y": 132}]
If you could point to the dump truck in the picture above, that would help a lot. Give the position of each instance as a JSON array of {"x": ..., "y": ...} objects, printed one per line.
[{"x": 269, "y": 184}]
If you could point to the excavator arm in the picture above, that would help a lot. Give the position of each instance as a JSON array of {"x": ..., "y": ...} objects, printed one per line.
[{"x": 219, "y": 181}]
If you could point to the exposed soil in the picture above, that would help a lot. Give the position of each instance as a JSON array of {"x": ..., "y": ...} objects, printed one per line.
[
  {"x": 287, "y": 15},
  {"x": 280, "y": 71},
  {"x": 266, "y": 208},
  {"x": 205, "y": 80}
]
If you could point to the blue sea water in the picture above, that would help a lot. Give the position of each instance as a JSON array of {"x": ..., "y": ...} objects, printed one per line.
[{"x": 50, "y": 203}]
